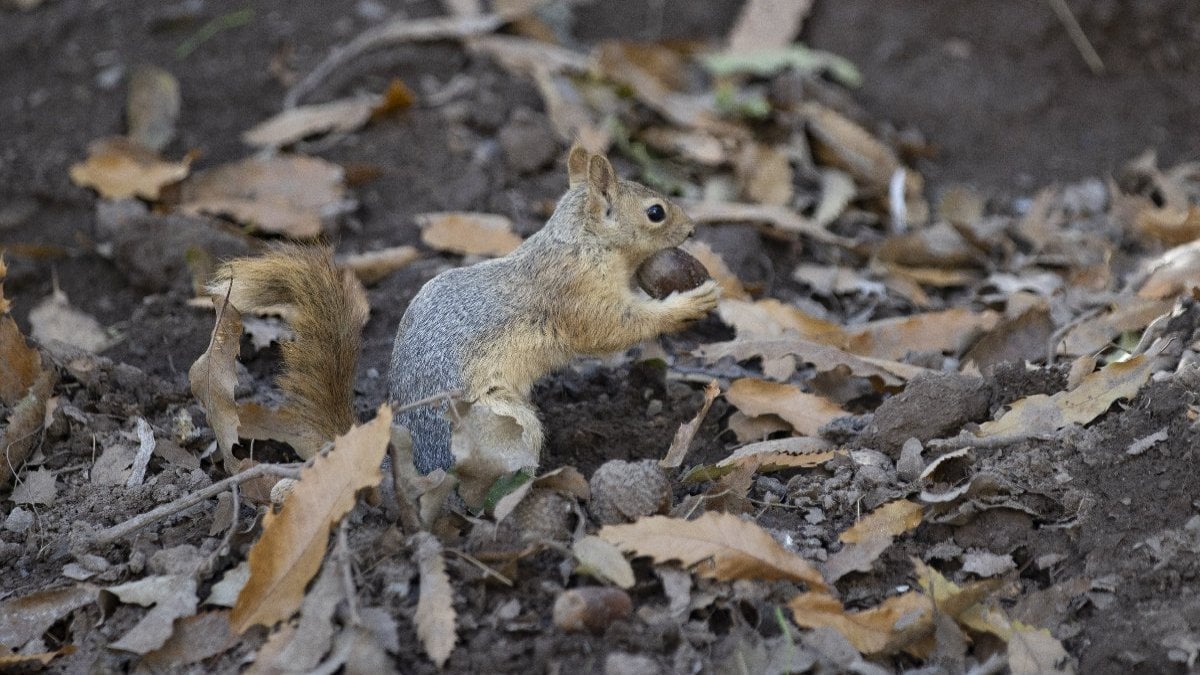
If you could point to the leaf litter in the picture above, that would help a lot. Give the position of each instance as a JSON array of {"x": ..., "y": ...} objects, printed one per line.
[{"x": 891, "y": 291}]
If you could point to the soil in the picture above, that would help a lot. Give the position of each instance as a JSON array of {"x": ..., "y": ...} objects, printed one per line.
[{"x": 997, "y": 89}]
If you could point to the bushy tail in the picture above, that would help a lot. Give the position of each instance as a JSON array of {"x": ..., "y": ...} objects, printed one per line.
[{"x": 326, "y": 309}]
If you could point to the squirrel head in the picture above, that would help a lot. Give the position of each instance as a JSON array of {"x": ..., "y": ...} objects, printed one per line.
[{"x": 623, "y": 215}]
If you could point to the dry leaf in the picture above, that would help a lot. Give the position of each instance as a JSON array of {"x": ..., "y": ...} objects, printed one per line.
[
  {"x": 339, "y": 117},
  {"x": 590, "y": 608},
  {"x": 489, "y": 442},
  {"x": 839, "y": 142},
  {"x": 694, "y": 146},
  {"x": 870, "y": 537},
  {"x": 947, "y": 331},
  {"x": 687, "y": 430},
  {"x": 213, "y": 378},
  {"x": 435, "y": 616},
  {"x": 25, "y": 424},
  {"x": 758, "y": 428},
  {"x": 293, "y": 542},
  {"x": 173, "y": 596},
  {"x": 152, "y": 107},
  {"x": 20, "y": 364},
  {"x": 146, "y": 445},
  {"x": 196, "y": 638},
  {"x": 782, "y": 453},
  {"x": 371, "y": 267},
  {"x": 731, "y": 286},
  {"x": 652, "y": 73},
  {"x": 468, "y": 233},
  {"x": 765, "y": 175},
  {"x": 771, "y": 318},
  {"x": 224, "y": 593},
  {"x": 1037, "y": 652},
  {"x": 986, "y": 564},
  {"x": 283, "y": 194},
  {"x": 259, "y": 423},
  {"x": 778, "y": 217},
  {"x": 36, "y": 487},
  {"x": 715, "y": 545},
  {"x": 768, "y": 24},
  {"x": 834, "y": 280},
  {"x": 1041, "y": 414},
  {"x": 28, "y": 617},
  {"x": 805, "y": 412},
  {"x": 823, "y": 357},
  {"x": 837, "y": 191},
  {"x": 600, "y": 559},
  {"x": 893, "y": 625},
  {"x": 118, "y": 168},
  {"x": 26, "y": 662},
  {"x": 54, "y": 319},
  {"x": 302, "y": 649},
  {"x": 1174, "y": 272},
  {"x": 1127, "y": 313}
]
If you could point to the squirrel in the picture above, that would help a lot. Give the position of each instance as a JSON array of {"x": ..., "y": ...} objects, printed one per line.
[{"x": 490, "y": 330}]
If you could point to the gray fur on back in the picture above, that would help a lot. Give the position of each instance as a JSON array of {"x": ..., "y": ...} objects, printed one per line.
[{"x": 447, "y": 320}]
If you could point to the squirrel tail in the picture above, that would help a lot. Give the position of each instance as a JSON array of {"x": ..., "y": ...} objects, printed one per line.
[{"x": 326, "y": 309}]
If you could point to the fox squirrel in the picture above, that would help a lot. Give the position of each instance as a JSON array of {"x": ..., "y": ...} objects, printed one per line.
[{"x": 489, "y": 330}]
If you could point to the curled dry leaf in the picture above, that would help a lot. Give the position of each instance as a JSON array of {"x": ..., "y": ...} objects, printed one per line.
[
  {"x": 259, "y": 423},
  {"x": 213, "y": 378},
  {"x": 839, "y": 142},
  {"x": 468, "y": 233},
  {"x": 119, "y": 168},
  {"x": 371, "y": 267},
  {"x": 805, "y": 412},
  {"x": 435, "y": 616},
  {"x": 715, "y": 545},
  {"x": 600, "y": 559},
  {"x": 1042, "y": 414},
  {"x": 283, "y": 194},
  {"x": 293, "y": 542},
  {"x": 26, "y": 618},
  {"x": 55, "y": 320},
  {"x": 489, "y": 441},
  {"x": 152, "y": 107},
  {"x": 687, "y": 430},
  {"x": 172, "y": 596},
  {"x": 1174, "y": 272}
]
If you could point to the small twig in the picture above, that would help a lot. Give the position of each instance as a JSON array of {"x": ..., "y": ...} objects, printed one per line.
[
  {"x": 138, "y": 522},
  {"x": 343, "y": 562},
  {"x": 482, "y": 566},
  {"x": 966, "y": 439},
  {"x": 1078, "y": 37},
  {"x": 448, "y": 396}
]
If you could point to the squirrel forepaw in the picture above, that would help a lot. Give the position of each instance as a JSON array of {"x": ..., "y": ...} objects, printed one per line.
[{"x": 699, "y": 301}]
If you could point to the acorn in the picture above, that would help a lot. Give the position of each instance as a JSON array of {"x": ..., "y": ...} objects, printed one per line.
[{"x": 671, "y": 270}]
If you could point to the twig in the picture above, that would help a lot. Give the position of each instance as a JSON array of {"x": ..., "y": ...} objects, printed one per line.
[
  {"x": 138, "y": 522},
  {"x": 1078, "y": 37},
  {"x": 343, "y": 562},
  {"x": 967, "y": 439},
  {"x": 482, "y": 566},
  {"x": 449, "y": 395}
]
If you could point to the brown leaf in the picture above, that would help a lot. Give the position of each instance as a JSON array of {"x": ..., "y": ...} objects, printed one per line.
[
  {"x": 468, "y": 233},
  {"x": 768, "y": 24},
  {"x": 770, "y": 318},
  {"x": 765, "y": 175},
  {"x": 196, "y": 638},
  {"x": 293, "y": 542},
  {"x": 891, "y": 519},
  {"x": 694, "y": 146},
  {"x": 1174, "y": 272},
  {"x": 25, "y": 424},
  {"x": 295, "y": 124},
  {"x": 28, "y": 617},
  {"x": 172, "y": 597},
  {"x": 805, "y": 412},
  {"x": 947, "y": 331},
  {"x": 757, "y": 428},
  {"x": 213, "y": 378},
  {"x": 55, "y": 320},
  {"x": 283, "y": 194},
  {"x": 782, "y": 453},
  {"x": 841, "y": 143},
  {"x": 823, "y": 357},
  {"x": 371, "y": 267},
  {"x": 731, "y": 286},
  {"x": 777, "y": 217},
  {"x": 715, "y": 545},
  {"x": 118, "y": 168},
  {"x": 259, "y": 423},
  {"x": 1041, "y": 414},
  {"x": 687, "y": 430},
  {"x": 152, "y": 107},
  {"x": 302, "y": 649},
  {"x": 20, "y": 364},
  {"x": 435, "y": 616},
  {"x": 603, "y": 560},
  {"x": 896, "y": 623},
  {"x": 1126, "y": 313}
]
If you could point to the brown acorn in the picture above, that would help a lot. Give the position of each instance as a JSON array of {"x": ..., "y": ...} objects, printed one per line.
[{"x": 669, "y": 271}]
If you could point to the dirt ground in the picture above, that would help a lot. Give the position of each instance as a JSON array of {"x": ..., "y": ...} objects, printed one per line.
[{"x": 998, "y": 92}]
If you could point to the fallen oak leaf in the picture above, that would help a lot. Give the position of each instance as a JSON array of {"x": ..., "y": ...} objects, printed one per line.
[
  {"x": 1042, "y": 414},
  {"x": 196, "y": 638},
  {"x": 468, "y": 233},
  {"x": 293, "y": 542},
  {"x": 805, "y": 412},
  {"x": 213, "y": 378},
  {"x": 950, "y": 330},
  {"x": 716, "y": 546},
  {"x": 119, "y": 168},
  {"x": 731, "y": 286},
  {"x": 435, "y": 617}
]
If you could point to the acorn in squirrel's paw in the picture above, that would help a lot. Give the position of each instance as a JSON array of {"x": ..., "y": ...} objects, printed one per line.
[{"x": 487, "y": 331}]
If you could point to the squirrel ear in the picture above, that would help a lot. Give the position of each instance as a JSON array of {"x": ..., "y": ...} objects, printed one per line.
[
  {"x": 577, "y": 165},
  {"x": 600, "y": 174}
]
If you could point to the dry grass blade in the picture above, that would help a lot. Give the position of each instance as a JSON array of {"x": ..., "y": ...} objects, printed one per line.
[
  {"x": 213, "y": 378},
  {"x": 435, "y": 616},
  {"x": 715, "y": 545},
  {"x": 687, "y": 430},
  {"x": 293, "y": 542}
]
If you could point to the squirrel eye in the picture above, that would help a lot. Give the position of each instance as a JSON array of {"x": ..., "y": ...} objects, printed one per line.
[{"x": 656, "y": 213}]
